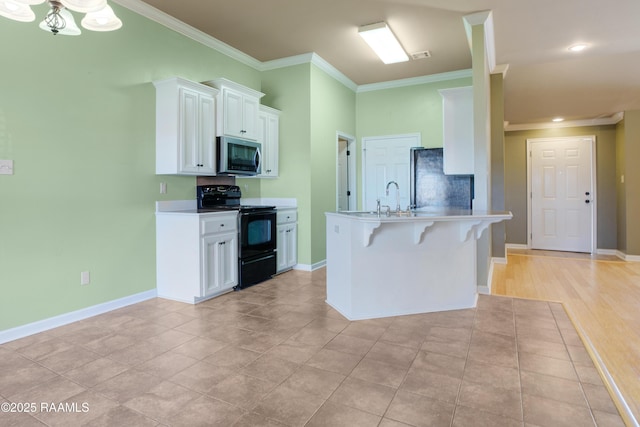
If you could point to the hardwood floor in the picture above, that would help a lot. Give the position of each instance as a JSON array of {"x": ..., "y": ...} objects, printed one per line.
[{"x": 601, "y": 296}]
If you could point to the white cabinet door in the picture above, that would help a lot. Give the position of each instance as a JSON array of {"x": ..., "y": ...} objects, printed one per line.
[
  {"x": 238, "y": 115},
  {"x": 232, "y": 113},
  {"x": 268, "y": 135},
  {"x": 189, "y": 140},
  {"x": 282, "y": 245},
  {"x": 185, "y": 128},
  {"x": 457, "y": 131},
  {"x": 250, "y": 117},
  {"x": 219, "y": 263},
  {"x": 207, "y": 128},
  {"x": 291, "y": 236},
  {"x": 287, "y": 239}
]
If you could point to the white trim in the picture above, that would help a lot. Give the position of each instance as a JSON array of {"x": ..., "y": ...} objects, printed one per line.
[
  {"x": 311, "y": 267},
  {"x": 612, "y": 120},
  {"x": 610, "y": 383},
  {"x": 613, "y": 252},
  {"x": 486, "y": 289},
  {"x": 484, "y": 18},
  {"x": 501, "y": 69},
  {"x": 314, "y": 59},
  {"x": 594, "y": 185},
  {"x": 352, "y": 166},
  {"x": 178, "y": 26},
  {"x": 413, "y": 81},
  {"x": 631, "y": 258},
  {"x": 73, "y": 316},
  {"x": 516, "y": 246}
]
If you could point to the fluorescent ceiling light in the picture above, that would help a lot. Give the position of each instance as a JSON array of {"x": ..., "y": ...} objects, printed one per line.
[
  {"x": 558, "y": 119},
  {"x": 381, "y": 39}
]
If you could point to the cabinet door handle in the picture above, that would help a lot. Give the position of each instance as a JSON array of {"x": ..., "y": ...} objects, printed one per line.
[{"x": 222, "y": 243}]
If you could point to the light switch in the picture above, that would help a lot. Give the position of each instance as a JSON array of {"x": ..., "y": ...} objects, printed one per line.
[{"x": 6, "y": 167}]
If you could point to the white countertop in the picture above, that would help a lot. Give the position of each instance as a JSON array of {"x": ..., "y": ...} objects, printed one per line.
[
  {"x": 190, "y": 207},
  {"x": 433, "y": 214}
]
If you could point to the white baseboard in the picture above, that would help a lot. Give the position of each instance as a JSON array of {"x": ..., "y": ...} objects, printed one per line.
[
  {"x": 632, "y": 258},
  {"x": 66, "y": 318},
  {"x": 310, "y": 267},
  {"x": 515, "y": 246},
  {"x": 486, "y": 290},
  {"x": 607, "y": 252}
]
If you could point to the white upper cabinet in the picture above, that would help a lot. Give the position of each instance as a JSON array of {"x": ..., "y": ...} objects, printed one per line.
[
  {"x": 457, "y": 112},
  {"x": 185, "y": 128},
  {"x": 268, "y": 135},
  {"x": 238, "y": 115}
]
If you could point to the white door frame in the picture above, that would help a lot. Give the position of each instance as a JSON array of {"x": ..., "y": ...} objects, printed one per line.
[
  {"x": 594, "y": 181},
  {"x": 353, "y": 187},
  {"x": 366, "y": 139}
]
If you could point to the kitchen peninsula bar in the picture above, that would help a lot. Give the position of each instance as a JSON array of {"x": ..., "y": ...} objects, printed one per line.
[{"x": 424, "y": 261}]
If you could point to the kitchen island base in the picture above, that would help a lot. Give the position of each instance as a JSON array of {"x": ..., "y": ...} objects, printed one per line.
[{"x": 390, "y": 266}]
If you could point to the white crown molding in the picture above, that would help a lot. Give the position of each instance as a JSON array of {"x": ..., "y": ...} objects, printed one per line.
[
  {"x": 314, "y": 59},
  {"x": 433, "y": 78},
  {"x": 484, "y": 18},
  {"x": 172, "y": 23},
  {"x": 616, "y": 118},
  {"x": 501, "y": 69}
]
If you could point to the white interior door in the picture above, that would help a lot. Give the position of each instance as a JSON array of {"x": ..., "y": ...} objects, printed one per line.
[
  {"x": 386, "y": 159},
  {"x": 562, "y": 194}
]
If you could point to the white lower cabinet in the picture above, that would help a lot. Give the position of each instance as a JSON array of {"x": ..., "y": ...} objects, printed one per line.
[
  {"x": 219, "y": 263},
  {"x": 196, "y": 255},
  {"x": 287, "y": 239}
]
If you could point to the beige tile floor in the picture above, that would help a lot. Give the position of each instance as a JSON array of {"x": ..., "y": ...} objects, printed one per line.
[{"x": 276, "y": 354}]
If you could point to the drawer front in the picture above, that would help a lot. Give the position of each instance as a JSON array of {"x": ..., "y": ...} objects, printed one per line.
[
  {"x": 286, "y": 215},
  {"x": 219, "y": 224}
]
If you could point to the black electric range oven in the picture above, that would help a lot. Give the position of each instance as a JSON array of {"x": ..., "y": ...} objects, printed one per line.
[{"x": 256, "y": 231}]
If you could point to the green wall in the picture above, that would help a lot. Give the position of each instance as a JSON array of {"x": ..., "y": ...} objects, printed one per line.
[
  {"x": 288, "y": 90},
  {"x": 401, "y": 110},
  {"x": 333, "y": 109},
  {"x": 516, "y": 180},
  {"x": 77, "y": 116}
]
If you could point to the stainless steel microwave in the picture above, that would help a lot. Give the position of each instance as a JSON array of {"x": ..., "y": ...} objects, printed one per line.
[{"x": 238, "y": 156}]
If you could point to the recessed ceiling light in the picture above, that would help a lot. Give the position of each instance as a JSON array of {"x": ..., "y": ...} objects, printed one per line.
[
  {"x": 558, "y": 119},
  {"x": 578, "y": 47}
]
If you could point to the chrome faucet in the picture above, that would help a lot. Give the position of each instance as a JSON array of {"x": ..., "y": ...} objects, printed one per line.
[{"x": 398, "y": 209}]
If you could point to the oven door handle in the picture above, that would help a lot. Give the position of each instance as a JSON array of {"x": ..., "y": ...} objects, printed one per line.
[{"x": 258, "y": 259}]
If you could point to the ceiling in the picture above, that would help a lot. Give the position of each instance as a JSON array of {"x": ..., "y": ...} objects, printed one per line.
[{"x": 544, "y": 79}]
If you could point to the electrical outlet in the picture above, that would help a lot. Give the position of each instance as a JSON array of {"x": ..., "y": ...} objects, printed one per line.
[
  {"x": 621, "y": 179},
  {"x": 163, "y": 188},
  {"x": 85, "y": 278},
  {"x": 6, "y": 167}
]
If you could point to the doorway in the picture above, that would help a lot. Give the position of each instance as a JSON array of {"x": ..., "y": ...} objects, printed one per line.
[
  {"x": 561, "y": 184},
  {"x": 346, "y": 173},
  {"x": 385, "y": 159}
]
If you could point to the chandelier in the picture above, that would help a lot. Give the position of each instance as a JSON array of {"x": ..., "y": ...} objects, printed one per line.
[{"x": 98, "y": 15}]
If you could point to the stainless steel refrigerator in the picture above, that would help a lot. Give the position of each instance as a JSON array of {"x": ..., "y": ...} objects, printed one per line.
[{"x": 431, "y": 188}]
